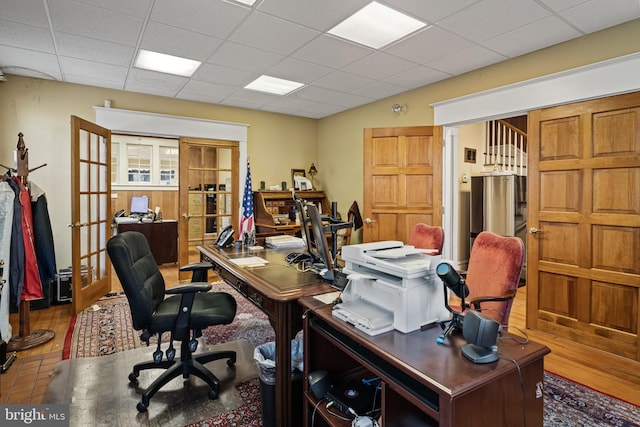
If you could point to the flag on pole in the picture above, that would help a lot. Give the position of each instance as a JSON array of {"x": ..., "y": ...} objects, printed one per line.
[{"x": 246, "y": 221}]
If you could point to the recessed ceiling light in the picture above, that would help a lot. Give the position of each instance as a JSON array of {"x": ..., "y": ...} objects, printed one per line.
[
  {"x": 273, "y": 85},
  {"x": 376, "y": 26},
  {"x": 166, "y": 63}
]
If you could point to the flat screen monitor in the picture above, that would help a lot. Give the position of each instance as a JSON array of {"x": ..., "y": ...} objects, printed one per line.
[
  {"x": 139, "y": 205},
  {"x": 320, "y": 247}
]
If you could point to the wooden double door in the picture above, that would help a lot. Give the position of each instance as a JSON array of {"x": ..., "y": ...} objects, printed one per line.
[{"x": 583, "y": 273}]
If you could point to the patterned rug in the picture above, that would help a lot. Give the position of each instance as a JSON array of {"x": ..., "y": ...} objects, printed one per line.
[{"x": 106, "y": 328}]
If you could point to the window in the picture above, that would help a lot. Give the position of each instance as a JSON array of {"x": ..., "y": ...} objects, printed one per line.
[{"x": 143, "y": 161}]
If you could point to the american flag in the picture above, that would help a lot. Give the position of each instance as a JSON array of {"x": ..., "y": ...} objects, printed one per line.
[{"x": 246, "y": 222}]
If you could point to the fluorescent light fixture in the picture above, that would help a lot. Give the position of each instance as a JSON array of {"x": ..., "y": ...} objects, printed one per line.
[
  {"x": 376, "y": 26},
  {"x": 273, "y": 85},
  {"x": 163, "y": 63}
]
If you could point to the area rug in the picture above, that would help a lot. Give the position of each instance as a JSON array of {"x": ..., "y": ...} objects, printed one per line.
[
  {"x": 569, "y": 404},
  {"x": 106, "y": 328}
]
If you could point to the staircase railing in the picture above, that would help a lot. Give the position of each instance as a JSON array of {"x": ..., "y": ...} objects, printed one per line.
[{"x": 505, "y": 148}]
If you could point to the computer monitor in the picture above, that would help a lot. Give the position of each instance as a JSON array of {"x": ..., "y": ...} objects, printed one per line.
[
  {"x": 304, "y": 226},
  {"x": 320, "y": 247},
  {"x": 139, "y": 205}
]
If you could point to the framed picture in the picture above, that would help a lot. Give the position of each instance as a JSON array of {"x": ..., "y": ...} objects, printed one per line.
[{"x": 297, "y": 172}]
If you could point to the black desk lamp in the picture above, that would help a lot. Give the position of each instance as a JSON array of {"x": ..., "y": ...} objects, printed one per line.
[{"x": 452, "y": 280}]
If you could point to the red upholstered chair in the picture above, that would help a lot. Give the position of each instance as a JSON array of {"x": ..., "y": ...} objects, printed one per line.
[
  {"x": 493, "y": 275},
  {"x": 425, "y": 236}
]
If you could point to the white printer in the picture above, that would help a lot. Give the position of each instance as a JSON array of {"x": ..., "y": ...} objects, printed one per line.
[{"x": 391, "y": 286}]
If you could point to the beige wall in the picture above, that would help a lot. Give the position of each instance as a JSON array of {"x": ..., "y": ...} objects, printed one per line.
[{"x": 41, "y": 109}]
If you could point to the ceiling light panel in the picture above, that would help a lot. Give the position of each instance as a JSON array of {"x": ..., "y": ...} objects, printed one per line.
[
  {"x": 376, "y": 26},
  {"x": 273, "y": 85},
  {"x": 164, "y": 63}
]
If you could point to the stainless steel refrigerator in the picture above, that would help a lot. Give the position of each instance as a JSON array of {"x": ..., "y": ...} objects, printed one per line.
[{"x": 498, "y": 204}]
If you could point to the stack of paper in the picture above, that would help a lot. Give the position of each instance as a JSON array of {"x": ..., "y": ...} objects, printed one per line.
[{"x": 284, "y": 241}]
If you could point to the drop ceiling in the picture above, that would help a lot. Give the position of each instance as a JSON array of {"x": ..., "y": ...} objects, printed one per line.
[{"x": 95, "y": 42}]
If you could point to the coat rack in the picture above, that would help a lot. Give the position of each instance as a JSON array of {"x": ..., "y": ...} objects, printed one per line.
[{"x": 26, "y": 338}]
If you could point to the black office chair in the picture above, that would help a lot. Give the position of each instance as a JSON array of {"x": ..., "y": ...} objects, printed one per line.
[{"x": 184, "y": 313}]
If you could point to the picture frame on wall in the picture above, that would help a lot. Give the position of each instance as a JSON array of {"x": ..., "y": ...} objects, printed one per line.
[{"x": 294, "y": 173}]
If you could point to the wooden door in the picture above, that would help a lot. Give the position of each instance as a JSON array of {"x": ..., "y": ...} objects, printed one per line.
[
  {"x": 208, "y": 193},
  {"x": 402, "y": 181},
  {"x": 583, "y": 275},
  {"x": 90, "y": 212}
]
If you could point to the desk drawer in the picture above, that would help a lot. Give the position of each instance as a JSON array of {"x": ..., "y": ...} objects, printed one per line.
[{"x": 261, "y": 301}]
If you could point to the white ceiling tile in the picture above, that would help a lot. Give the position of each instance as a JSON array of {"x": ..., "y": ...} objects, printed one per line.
[
  {"x": 93, "y": 81},
  {"x": 342, "y": 82},
  {"x": 430, "y": 10},
  {"x": 86, "y": 69},
  {"x": 490, "y": 18},
  {"x": 30, "y": 12},
  {"x": 246, "y": 58},
  {"x": 298, "y": 70},
  {"x": 94, "y": 50},
  {"x": 84, "y": 20},
  {"x": 315, "y": 93},
  {"x": 596, "y": 15},
  {"x": 379, "y": 65},
  {"x": 519, "y": 41},
  {"x": 205, "y": 91},
  {"x": 29, "y": 63},
  {"x": 427, "y": 45},
  {"x": 216, "y": 18},
  {"x": 349, "y": 100},
  {"x": 331, "y": 51},
  {"x": 224, "y": 75},
  {"x": 272, "y": 34},
  {"x": 155, "y": 83},
  {"x": 466, "y": 60},
  {"x": 417, "y": 76},
  {"x": 319, "y": 110},
  {"x": 560, "y": 5},
  {"x": 137, "y": 8},
  {"x": 26, "y": 36},
  {"x": 379, "y": 90},
  {"x": 178, "y": 42},
  {"x": 321, "y": 15}
]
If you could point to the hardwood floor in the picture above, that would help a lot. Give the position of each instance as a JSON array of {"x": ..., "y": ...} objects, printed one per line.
[{"x": 597, "y": 369}]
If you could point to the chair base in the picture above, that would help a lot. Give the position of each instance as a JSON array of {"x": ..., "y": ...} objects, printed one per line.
[{"x": 186, "y": 366}]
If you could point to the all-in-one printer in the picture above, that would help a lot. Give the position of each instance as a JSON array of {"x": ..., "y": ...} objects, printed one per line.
[{"x": 391, "y": 286}]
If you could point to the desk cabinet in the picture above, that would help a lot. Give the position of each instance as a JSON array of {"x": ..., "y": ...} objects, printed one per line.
[
  {"x": 266, "y": 204},
  {"x": 162, "y": 237},
  {"x": 423, "y": 383}
]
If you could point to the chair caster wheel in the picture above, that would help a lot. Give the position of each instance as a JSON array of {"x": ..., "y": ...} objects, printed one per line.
[
  {"x": 212, "y": 395},
  {"x": 141, "y": 407},
  {"x": 133, "y": 378}
]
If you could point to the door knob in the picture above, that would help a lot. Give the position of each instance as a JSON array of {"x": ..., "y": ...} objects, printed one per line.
[
  {"x": 534, "y": 230},
  {"x": 369, "y": 220}
]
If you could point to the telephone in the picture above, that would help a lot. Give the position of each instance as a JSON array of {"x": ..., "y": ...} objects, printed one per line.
[
  {"x": 119, "y": 214},
  {"x": 225, "y": 238}
]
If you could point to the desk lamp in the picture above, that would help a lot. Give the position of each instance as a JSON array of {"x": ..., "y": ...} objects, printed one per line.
[
  {"x": 312, "y": 172},
  {"x": 452, "y": 280}
]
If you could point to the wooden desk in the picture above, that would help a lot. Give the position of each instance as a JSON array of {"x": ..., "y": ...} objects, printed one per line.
[
  {"x": 161, "y": 235},
  {"x": 274, "y": 288},
  {"x": 424, "y": 383}
]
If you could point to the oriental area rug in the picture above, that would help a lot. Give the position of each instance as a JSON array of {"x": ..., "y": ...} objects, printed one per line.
[{"x": 106, "y": 331}]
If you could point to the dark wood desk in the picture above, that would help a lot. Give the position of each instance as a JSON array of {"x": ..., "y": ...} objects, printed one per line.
[
  {"x": 274, "y": 288},
  {"x": 161, "y": 235},
  {"x": 425, "y": 383}
]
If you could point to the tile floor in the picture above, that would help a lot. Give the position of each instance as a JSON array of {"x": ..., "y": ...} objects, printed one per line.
[{"x": 26, "y": 380}]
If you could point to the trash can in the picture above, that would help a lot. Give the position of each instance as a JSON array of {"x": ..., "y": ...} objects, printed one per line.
[{"x": 265, "y": 358}]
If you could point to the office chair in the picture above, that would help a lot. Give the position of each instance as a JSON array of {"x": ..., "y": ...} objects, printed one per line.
[
  {"x": 185, "y": 312},
  {"x": 425, "y": 236},
  {"x": 493, "y": 275}
]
